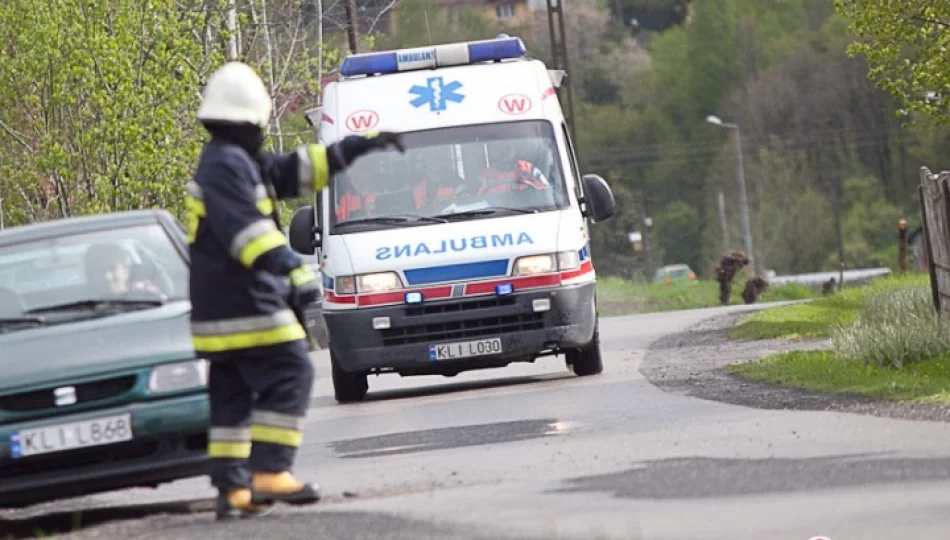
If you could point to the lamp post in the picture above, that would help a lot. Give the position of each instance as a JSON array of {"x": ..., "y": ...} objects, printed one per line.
[{"x": 743, "y": 199}]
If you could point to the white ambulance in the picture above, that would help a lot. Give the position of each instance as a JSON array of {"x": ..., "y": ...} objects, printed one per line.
[{"x": 471, "y": 249}]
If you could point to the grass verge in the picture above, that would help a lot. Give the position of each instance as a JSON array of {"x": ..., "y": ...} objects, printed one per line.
[
  {"x": 617, "y": 296},
  {"x": 817, "y": 319},
  {"x": 888, "y": 342},
  {"x": 824, "y": 371}
]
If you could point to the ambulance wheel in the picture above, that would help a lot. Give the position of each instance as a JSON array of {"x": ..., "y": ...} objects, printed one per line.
[
  {"x": 586, "y": 360},
  {"x": 347, "y": 387}
]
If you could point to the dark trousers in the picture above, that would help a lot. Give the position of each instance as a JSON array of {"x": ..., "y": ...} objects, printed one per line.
[{"x": 259, "y": 399}]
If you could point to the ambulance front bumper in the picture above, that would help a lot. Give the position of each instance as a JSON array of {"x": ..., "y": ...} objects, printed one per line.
[{"x": 523, "y": 325}]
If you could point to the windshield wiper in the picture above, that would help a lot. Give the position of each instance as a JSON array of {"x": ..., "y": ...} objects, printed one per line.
[
  {"x": 485, "y": 212},
  {"x": 94, "y": 304},
  {"x": 16, "y": 321},
  {"x": 401, "y": 218}
]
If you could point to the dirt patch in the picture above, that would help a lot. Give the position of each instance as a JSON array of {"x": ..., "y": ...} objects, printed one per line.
[{"x": 693, "y": 363}]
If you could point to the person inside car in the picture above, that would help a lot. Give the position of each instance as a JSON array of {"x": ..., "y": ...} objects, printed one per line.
[{"x": 109, "y": 271}]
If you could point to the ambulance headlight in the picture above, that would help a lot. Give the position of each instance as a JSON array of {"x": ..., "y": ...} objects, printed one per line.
[
  {"x": 178, "y": 376},
  {"x": 541, "y": 264},
  {"x": 378, "y": 282},
  {"x": 535, "y": 264},
  {"x": 568, "y": 260}
]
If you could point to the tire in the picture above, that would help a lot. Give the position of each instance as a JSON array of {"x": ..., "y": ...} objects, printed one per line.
[
  {"x": 587, "y": 360},
  {"x": 347, "y": 387}
]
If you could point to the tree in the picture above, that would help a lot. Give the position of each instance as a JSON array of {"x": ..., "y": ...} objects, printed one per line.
[
  {"x": 417, "y": 23},
  {"x": 97, "y": 102},
  {"x": 905, "y": 42}
]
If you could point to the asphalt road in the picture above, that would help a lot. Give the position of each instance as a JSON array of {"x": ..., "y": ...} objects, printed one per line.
[{"x": 534, "y": 452}]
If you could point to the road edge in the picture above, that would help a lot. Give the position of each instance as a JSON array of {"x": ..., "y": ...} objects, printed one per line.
[{"x": 693, "y": 363}]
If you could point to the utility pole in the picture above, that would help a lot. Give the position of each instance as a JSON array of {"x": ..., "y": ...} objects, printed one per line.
[
  {"x": 647, "y": 233},
  {"x": 560, "y": 61},
  {"x": 723, "y": 223},
  {"x": 351, "y": 25},
  {"x": 743, "y": 200}
]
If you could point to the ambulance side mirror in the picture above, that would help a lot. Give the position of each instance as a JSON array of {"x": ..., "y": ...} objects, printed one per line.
[
  {"x": 598, "y": 198},
  {"x": 303, "y": 231}
]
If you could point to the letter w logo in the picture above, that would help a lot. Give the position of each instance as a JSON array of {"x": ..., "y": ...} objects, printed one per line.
[
  {"x": 514, "y": 104},
  {"x": 362, "y": 121}
]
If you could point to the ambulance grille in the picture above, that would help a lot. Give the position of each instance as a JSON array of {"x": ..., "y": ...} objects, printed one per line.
[
  {"x": 456, "y": 307},
  {"x": 85, "y": 392},
  {"x": 464, "y": 329}
]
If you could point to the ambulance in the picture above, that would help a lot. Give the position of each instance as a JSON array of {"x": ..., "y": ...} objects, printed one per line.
[{"x": 469, "y": 250}]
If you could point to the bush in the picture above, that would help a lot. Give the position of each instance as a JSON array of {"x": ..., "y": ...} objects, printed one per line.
[{"x": 895, "y": 327}]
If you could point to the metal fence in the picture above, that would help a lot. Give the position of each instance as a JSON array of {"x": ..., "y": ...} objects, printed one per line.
[{"x": 934, "y": 193}]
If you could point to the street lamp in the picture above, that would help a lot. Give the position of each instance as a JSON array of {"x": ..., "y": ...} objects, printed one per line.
[{"x": 743, "y": 200}]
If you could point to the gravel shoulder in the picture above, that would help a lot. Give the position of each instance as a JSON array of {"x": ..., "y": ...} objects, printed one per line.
[{"x": 694, "y": 362}]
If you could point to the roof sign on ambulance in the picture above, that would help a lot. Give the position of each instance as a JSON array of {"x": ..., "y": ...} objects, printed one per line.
[{"x": 451, "y": 54}]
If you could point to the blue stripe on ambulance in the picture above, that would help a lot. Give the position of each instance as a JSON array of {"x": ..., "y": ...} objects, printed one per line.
[{"x": 457, "y": 272}]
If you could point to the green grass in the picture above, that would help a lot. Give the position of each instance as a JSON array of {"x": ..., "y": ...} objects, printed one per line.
[
  {"x": 818, "y": 318},
  {"x": 927, "y": 380},
  {"x": 888, "y": 342},
  {"x": 617, "y": 296}
]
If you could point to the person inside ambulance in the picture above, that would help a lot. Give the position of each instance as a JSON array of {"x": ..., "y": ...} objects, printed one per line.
[
  {"x": 509, "y": 170},
  {"x": 355, "y": 193},
  {"x": 437, "y": 180}
]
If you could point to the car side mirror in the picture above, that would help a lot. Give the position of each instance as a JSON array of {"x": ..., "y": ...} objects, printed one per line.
[
  {"x": 599, "y": 198},
  {"x": 303, "y": 231}
]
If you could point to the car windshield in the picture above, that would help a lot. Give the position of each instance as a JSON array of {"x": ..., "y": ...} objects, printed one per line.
[
  {"x": 448, "y": 174},
  {"x": 132, "y": 267}
]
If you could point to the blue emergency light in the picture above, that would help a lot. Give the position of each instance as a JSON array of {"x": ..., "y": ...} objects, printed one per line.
[
  {"x": 504, "y": 289},
  {"x": 451, "y": 54},
  {"x": 413, "y": 297}
]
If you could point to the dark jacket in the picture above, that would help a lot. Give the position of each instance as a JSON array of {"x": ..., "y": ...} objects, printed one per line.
[{"x": 240, "y": 260}]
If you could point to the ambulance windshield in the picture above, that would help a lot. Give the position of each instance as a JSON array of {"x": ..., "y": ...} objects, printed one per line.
[{"x": 452, "y": 174}]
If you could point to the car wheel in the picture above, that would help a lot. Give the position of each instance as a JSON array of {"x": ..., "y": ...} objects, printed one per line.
[
  {"x": 587, "y": 360},
  {"x": 347, "y": 387}
]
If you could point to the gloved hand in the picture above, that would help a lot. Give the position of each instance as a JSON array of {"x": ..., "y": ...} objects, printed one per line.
[
  {"x": 387, "y": 138},
  {"x": 305, "y": 289}
]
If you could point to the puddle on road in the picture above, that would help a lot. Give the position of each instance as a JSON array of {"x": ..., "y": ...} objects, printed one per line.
[
  {"x": 452, "y": 437},
  {"x": 693, "y": 478}
]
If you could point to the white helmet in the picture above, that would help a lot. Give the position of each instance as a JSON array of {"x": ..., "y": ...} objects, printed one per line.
[{"x": 235, "y": 93}]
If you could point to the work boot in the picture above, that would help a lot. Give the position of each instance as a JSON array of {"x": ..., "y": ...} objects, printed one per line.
[
  {"x": 238, "y": 504},
  {"x": 283, "y": 487}
]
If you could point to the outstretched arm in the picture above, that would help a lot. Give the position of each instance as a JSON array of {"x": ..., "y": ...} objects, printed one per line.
[{"x": 309, "y": 168}]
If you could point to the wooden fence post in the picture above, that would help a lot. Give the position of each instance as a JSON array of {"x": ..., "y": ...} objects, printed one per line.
[{"x": 934, "y": 195}]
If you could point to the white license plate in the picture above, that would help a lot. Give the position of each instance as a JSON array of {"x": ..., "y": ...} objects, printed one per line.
[
  {"x": 48, "y": 439},
  {"x": 465, "y": 349}
]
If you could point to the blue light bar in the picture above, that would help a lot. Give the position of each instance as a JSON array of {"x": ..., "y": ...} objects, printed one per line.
[
  {"x": 496, "y": 49},
  {"x": 363, "y": 64},
  {"x": 504, "y": 289},
  {"x": 450, "y": 54},
  {"x": 413, "y": 297}
]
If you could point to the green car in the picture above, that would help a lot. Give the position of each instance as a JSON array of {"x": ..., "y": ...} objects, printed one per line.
[
  {"x": 675, "y": 273},
  {"x": 100, "y": 387}
]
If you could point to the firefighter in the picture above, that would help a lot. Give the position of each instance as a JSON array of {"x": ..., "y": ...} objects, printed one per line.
[{"x": 245, "y": 285}]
